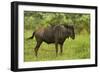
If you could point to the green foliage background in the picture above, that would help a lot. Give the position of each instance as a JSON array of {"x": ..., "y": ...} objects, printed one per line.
[{"x": 73, "y": 49}]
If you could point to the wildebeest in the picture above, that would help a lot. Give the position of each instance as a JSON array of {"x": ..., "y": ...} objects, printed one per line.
[{"x": 53, "y": 34}]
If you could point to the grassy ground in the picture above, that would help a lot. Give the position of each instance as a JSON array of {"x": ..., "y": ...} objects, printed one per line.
[{"x": 72, "y": 49}]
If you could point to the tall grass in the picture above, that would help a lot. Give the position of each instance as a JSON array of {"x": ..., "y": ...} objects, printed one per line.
[{"x": 72, "y": 49}]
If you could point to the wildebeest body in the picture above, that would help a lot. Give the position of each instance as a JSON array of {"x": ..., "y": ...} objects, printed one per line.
[{"x": 53, "y": 34}]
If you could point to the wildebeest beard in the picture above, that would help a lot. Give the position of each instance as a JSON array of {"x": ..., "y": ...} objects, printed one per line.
[{"x": 53, "y": 34}]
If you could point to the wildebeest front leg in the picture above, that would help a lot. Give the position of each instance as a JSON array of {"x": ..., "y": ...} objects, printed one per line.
[
  {"x": 61, "y": 49},
  {"x": 37, "y": 48},
  {"x": 56, "y": 46}
]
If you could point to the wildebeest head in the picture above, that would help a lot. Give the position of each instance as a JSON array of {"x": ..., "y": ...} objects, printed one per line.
[{"x": 70, "y": 31}]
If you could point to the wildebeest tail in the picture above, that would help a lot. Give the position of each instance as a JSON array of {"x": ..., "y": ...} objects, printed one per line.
[{"x": 31, "y": 36}]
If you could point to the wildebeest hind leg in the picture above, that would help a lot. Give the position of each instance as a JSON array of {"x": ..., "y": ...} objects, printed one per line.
[{"x": 37, "y": 48}]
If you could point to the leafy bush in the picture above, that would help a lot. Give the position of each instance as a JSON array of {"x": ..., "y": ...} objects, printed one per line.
[{"x": 33, "y": 20}]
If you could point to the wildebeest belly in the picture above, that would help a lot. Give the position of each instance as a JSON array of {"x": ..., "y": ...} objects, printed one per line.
[{"x": 49, "y": 39}]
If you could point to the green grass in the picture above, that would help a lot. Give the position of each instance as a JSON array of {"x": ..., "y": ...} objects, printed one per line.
[{"x": 72, "y": 49}]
